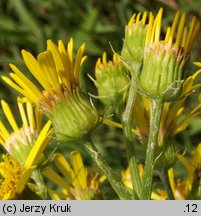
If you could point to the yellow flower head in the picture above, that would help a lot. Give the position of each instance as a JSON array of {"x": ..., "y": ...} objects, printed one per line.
[
  {"x": 21, "y": 140},
  {"x": 77, "y": 183},
  {"x": 111, "y": 80},
  {"x": 16, "y": 173},
  {"x": 164, "y": 59},
  {"x": 25, "y": 144},
  {"x": 55, "y": 70},
  {"x": 72, "y": 115}
]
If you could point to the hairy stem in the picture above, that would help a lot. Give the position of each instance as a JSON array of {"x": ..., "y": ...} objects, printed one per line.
[
  {"x": 114, "y": 180},
  {"x": 156, "y": 110},
  {"x": 127, "y": 128}
]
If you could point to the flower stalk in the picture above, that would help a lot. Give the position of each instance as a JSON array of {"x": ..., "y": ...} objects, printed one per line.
[
  {"x": 114, "y": 180},
  {"x": 127, "y": 129},
  {"x": 156, "y": 110}
]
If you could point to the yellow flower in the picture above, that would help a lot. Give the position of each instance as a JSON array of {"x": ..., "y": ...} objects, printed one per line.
[
  {"x": 21, "y": 140},
  {"x": 164, "y": 59},
  {"x": 25, "y": 144},
  {"x": 56, "y": 70},
  {"x": 15, "y": 176},
  {"x": 76, "y": 182}
]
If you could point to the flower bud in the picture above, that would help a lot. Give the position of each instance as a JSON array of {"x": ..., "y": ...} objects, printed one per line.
[
  {"x": 111, "y": 81},
  {"x": 162, "y": 72},
  {"x": 134, "y": 42}
]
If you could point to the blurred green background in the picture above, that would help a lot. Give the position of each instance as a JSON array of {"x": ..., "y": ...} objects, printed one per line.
[{"x": 27, "y": 24}]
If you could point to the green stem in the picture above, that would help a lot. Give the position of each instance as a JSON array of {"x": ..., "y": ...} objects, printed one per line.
[
  {"x": 114, "y": 180},
  {"x": 127, "y": 128},
  {"x": 166, "y": 184},
  {"x": 156, "y": 110},
  {"x": 37, "y": 177}
]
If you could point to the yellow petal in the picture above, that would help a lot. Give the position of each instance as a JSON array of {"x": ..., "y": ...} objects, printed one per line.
[
  {"x": 79, "y": 170},
  {"x": 17, "y": 88},
  {"x": 60, "y": 68},
  {"x": 30, "y": 115},
  {"x": 39, "y": 146},
  {"x": 23, "y": 114},
  {"x": 185, "y": 162},
  {"x": 132, "y": 19},
  {"x": 34, "y": 68},
  {"x": 23, "y": 179},
  {"x": 197, "y": 64},
  {"x": 171, "y": 179},
  {"x": 9, "y": 115},
  {"x": 64, "y": 167},
  {"x": 38, "y": 118},
  {"x": 5, "y": 134},
  {"x": 24, "y": 79},
  {"x": 180, "y": 29},
  {"x": 70, "y": 50},
  {"x": 54, "y": 177},
  {"x": 32, "y": 95},
  {"x": 48, "y": 67},
  {"x": 78, "y": 62},
  {"x": 67, "y": 63}
]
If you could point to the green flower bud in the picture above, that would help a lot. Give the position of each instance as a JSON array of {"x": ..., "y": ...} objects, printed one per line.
[
  {"x": 73, "y": 117},
  {"x": 162, "y": 72},
  {"x": 134, "y": 42},
  {"x": 111, "y": 81},
  {"x": 161, "y": 75}
]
